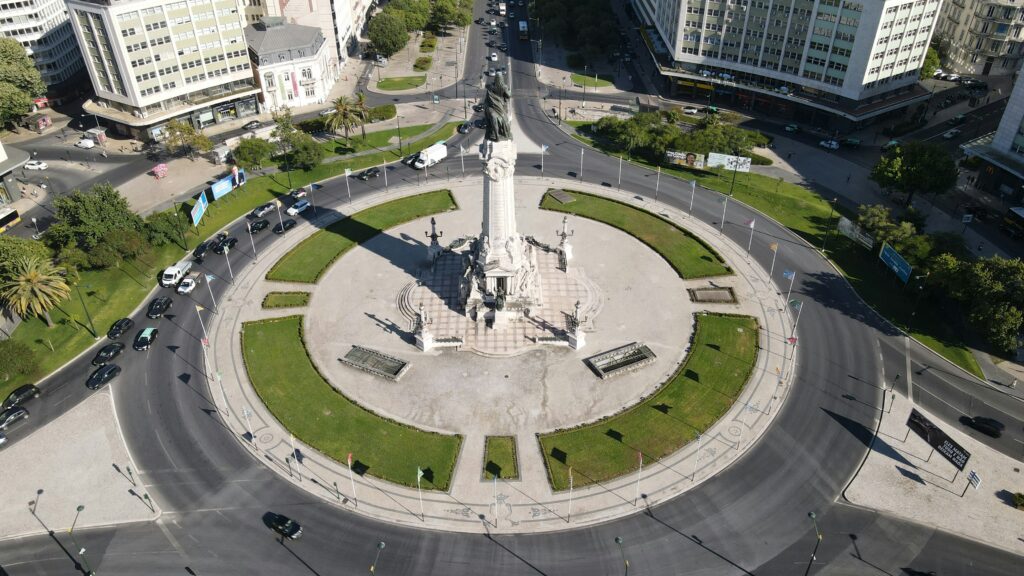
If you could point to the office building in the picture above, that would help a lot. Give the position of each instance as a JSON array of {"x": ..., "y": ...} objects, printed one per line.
[
  {"x": 1003, "y": 152},
  {"x": 981, "y": 38},
  {"x": 42, "y": 27},
  {"x": 151, "y": 61},
  {"x": 836, "y": 64},
  {"x": 291, "y": 63}
]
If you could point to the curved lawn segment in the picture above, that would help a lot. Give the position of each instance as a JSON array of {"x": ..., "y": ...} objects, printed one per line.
[
  {"x": 687, "y": 254},
  {"x": 299, "y": 397},
  {"x": 311, "y": 258},
  {"x": 720, "y": 361}
]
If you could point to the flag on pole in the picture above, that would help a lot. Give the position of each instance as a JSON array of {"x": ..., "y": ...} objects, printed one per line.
[
  {"x": 349, "y": 459},
  {"x": 199, "y": 308},
  {"x": 791, "y": 340},
  {"x": 774, "y": 246},
  {"x": 210, "y": 277},
  {"x": 544, "y": 148},
  {"x": 751, "y": 224},
  {"x": 640, "y": 457},
  {"x": 419, "y": 474},
  {"x": 796, "y": 304},
  {"x": 206, "y": 342},
  {"x": 789, "y": 274}
]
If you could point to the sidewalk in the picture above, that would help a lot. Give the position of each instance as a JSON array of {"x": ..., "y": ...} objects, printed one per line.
[
  {"x": 527, "y": 505},
  {"x": 449, "y": 64}
]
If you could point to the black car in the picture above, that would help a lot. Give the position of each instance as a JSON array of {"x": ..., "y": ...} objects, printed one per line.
[
  {"x": 120, "y": 328},
  {"x": 158, "y": 307},
  {"x": 20, "y": 395},
  {"x": 145, "y": 338},
  {"x": 284, "y": 525},
  {"x": 369, "y": 173},
  {"x": 478, "y": 107},
  {"x": 108, "y": 353},
  {"x": 465, "y": 127},
  {"x": 102, "y": 375},
  {"x": 491, "y": 43},
  {"x": 258, "y": 225},
  {"x": 251, "y": 125},
  {"x": 225, "y": 244},
  {"x": 480, "y": 123},
  {"x": 12, "y": 415},
  {"x": 987, "y": 426},
  {"x": 202, "y": 249},
  {"x": 282, "y": 227}
]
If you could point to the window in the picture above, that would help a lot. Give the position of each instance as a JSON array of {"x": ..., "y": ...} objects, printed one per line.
[
  {"x": 310, "y": 91},
  {"x": 269, "y": 79}
]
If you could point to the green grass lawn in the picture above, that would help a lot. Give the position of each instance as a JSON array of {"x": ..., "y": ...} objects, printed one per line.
[
  {"x": 500, "y": 458},
  {"x": 602, "y": 81},
  {"x": 402, "y": 82},
  {"x": 374, "y": 140},
  {"x": 311, "y": 258},
  {"x": 285, "y": 299},
  {"x": 285, "y": 378},
  {"x": 705, "y": 387},
  {"x": 688, "y": 255}
]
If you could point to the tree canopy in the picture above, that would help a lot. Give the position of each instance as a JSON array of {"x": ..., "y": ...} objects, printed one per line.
[
  {"x": 916, "y": 167},
  {"x": 649, "y": 135},
  {"x": 251, "y": 153},
  {"x": 387, "y": 32},
  {"x": 12, "y": 248},
  {"x": 931, "y": 63},
  {"x": 20, "y": 82},
  {"x": 182, "y": 137},
  {"x": 306, "y": 152},
  {"x": 85, "y": 218}
]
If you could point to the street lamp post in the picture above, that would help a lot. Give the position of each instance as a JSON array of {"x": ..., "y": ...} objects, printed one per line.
[
  {"x": 398, "y": 119},
  {"x": 625, "y": 563},
  {"x": 373, "y": 567},
  {"x": 85, "y": 562},
  {"x": 814, "y": 520},
  {"x": 78, "y": 511},
  {"x": 828, "y": 223},
  {"x": 581, "y": 164},
  {"x": 584, "y": 104}
]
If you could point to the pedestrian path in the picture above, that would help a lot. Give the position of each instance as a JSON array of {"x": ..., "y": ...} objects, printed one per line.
[{"x": 448, "y": 66}]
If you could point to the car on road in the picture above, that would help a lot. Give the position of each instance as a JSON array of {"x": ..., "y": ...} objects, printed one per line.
[
  {"x": 284, "y": 526},
  {"x": 951, "y": 77},
  {"x": 158, "y": 307},
  {"x": 3, "y": 439},
  {"x": 200, "y": 252},
  {"x": 263, "y": 209},
  {"x": 20, "y": 395},
  {"x": 299, "y": 193},
  {"x": 491, "y": 72},
  {"x": 120, "y": 328},
  {"x": 255, "y": 227},
  {"x": 465, "y": 128},
  {"x": 851, "y": 142},
  {"x": 492, "y": 22},
  {"x": 251, "y": 125},
  {"x": 691, "y": 110},
  {"x": 225, "y": 244},
  {"x": 894, "y": 143},
  {"x": 957, "y": 120},
  {"x": 107, "y": 353},
  {"x": 493, "y": 57},
  {"x": 12, "y": 415},
  {"x": 950, "y": 134},
  {"x": 479, "y": 21},
  {"x": 298, "y": 208},
  {"x": 85, "y": 143},
  {"x": 145, "y": 338},
  {"x": 102, "y": 375},
  {"x": 365, "y": 175},
  {"x": 480, "y": 123},
  {"x": 792, "y": 128},
  {"x": 329, "y": 111},
  {"x": 987, "y": 426},
  {"x": 829, "y": 144},
  {"x": 478, "y": 107},
  {"x": 282, "y": 227},
  {"x": 36, "y": 165}
]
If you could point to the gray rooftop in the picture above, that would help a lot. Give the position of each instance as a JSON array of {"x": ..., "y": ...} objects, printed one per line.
[{"x": 275, "y": 40}]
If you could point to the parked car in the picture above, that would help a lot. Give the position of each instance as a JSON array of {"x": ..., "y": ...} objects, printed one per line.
[
  {"x": 20, "y": 395},
  {"x": 85, "y": 143},
  {"x": 894, "y": 143},
  {"x": 12, "y": 415},
  {"x": 298, "y": 208},
  {"x": 255, "y": 227},
  {"x": 263, "y": 209},
  {"x": 102, "y": 375},
  {"x": 251, "y": 125},
  {"x": 225, "y": 244},
  {"x": 492, "y": 43},
  {"x": 145, "y": 338},
  {"x": 957, "y": 120},
  {"x": 829, "y": 144},
  {"x": 107, "y": 353},
  {"x": 365, "y": 175},
  {"x": 691, "y": 110},
  {"x": 987, "y": 426},
  {"x": 465, "y": 128},
  {"x": 36, "y": 165},
  {"x": 3, "y": 439},
  {"x": 950, "y": 134},
  {"x": 792, "y": 128},
  {"x": 851, "y": 142},
  {"x": 285, "y": 526},
  {"x": 330, "y": 111},
  {"x": 158, "y": 307},
  {"x": 119, "y": 328},
  {"x": 282, "y": 227},
  {"x": 938, "y": 73},
  {"x": 951, "y": 77},
  {"x": 200, "y": 252},
  {"x": 298, "y": 193}
]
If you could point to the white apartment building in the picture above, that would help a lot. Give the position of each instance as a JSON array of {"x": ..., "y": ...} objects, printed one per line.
[
  {"x": 151, "y": 61},
  {"x": 42, "y": 27},
  {"x": 339, "y": 20},
  {"x": 981, "y": 38},
  {"x": 292, "y": 64},
  {"x": 835, "y": 63}
]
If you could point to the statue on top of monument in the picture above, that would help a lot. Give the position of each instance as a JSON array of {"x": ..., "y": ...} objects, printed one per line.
[{"x": 496, "y": 110}]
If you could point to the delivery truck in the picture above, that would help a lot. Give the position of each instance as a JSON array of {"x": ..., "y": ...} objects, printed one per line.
[{"x": 430, "y": 156}]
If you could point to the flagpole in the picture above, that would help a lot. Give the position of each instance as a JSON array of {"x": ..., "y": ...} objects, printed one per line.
[
  {"x": 791, "y": 280},
  {"x": 462, "y": 159},
  {"x": 775, "y": 252},
  {"x": 253, "y": 242},
  {"x": 693, "y": 192},
  {"x": 419, "y": 491},
  {"x": 751, "y": 241},
  {"x": 198, "y": 308},
  {"x": 210, "y": 277},
  {"x": 724, "y": 208},
  {"x": 568, "y": 517},
  {"x": 636, "y": 498},
  {"x": 495, "y": 500},
  {"x": 696, "y": 459},
  {"x": 228, "y": 260},
  {"x": 298, "y": 467},
  {"x": 352, "y": 480},
  {"x": 799, "y": 309}
]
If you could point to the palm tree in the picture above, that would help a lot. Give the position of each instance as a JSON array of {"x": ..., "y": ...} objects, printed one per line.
[
  {"x": 345, "y": 115},
  {"x": 364, "y": 112},
  {"x": 33, "y": 286}
]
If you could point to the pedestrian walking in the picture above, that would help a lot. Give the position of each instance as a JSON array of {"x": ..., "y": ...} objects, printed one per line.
[
  {"x": 788, "y": 156},
  {"x": 848, "y": 176}
]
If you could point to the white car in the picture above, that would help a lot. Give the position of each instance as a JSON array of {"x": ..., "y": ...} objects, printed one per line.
[
  {"x": 691, "y": 110},
  {"x": 263, "y": 210},
  {"x": 829, "y": 144},
  {"x": 298, "y": 208},
  {"x": 187, "y": 286},
  {"x": 493, "y": 23},
  {"x": 327, "y": 112},
  {"x": 85, "y": 143},
  {"x": 951, "y": 134},
  {"x": 494, "y": 56},
  {"x": 36, "y": 165}
]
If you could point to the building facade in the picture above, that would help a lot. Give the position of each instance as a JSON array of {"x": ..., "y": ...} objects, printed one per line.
[
  {"x": 152, "y": 61},
  {"x": 292, "y": 64},
  {"x": 341, "y": 21},
  {"x": 837, "y": 63},
  {"x": 42, "y": 27},
  {"x": 981, "y": 38},
  {"x": 1002, "y": 152}
]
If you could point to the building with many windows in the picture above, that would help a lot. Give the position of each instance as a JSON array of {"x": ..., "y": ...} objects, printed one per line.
[
  {"x": 1002, "y": 152},
  {"x": 339, "y": 20},
  {"x": 981, "y": 38},
  {"x": 291, "y": 63},
  {"x": 151, "y": 61},
  {"x": 42, "y": 27},
  {"x": 831, "y": 63}
]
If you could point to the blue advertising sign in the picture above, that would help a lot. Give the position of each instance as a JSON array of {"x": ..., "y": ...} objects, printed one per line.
[
  {"x": 895, "y": 262},
  {"x": 222, "y": 187},
  {"x": 199, "y": 209}
]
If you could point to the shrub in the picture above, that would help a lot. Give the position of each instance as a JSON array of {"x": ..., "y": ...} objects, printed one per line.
[
  {"x": 758, "y": 160},
  {"x": 1018, "y": 500},
  {"x": 16, "y": 358},
  {"x": 429, "y": 44},
  {"x": 383, "y": 112},
  {"x": 313, "y": 125},
  {"x": 423, "y": 63},
  {"x": 575, "y": 60}
]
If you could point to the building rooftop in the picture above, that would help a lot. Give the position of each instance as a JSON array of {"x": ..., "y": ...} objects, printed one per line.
[{"x": 275, "y": 40}]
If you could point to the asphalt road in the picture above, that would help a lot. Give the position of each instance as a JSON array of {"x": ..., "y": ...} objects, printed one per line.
[{"x": 752, "y": 519}]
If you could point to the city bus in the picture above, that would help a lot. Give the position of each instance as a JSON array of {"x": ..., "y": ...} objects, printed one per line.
[
  {"x": 524, "y": 32},
  {"x": 9, "y": 218}
]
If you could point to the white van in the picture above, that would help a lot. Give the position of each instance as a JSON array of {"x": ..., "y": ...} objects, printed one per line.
[{"x": 173, "y": 274}]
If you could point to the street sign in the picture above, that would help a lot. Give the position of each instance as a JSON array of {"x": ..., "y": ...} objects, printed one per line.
[
  {"x": 938, "y": 440},
  {"x": 895, "y": 262},
  {"x": 974, "y": 479},
  {"x": 967, "y": 218}
]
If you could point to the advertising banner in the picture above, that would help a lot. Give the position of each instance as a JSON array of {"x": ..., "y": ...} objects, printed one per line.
[
  {"x": 222, "y": 187},
  {"x": 852, "y": 231},
  {"x": 895, "y": 262},
  {"x": 199, "y": 209},
  {"x": 938, "y": 440},
  {"x": 732, "y": 163},
  {"x": 691, "y": 159}
]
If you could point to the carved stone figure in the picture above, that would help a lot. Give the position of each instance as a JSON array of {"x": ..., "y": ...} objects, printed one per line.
[{"x": 496, "y": 110}]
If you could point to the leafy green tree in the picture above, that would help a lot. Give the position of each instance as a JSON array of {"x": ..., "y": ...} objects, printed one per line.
[
  {"x": 443, "y": 14},
  {"x": 14, "y": 104},
  {"x": 16, "y": 359},
  {"x": 414, "y": 13},
  {"x": 33, "y": 288},
  {"x": 18, "y": 70},
  {"x": 182, "y": 137},
  {"x": 363, "y": 110},
  {"x": 388, "y": 33},
  {"x": 306, "y": 153},
  {"x": 86, "y": 217},
  {"x": 251, "y": 153},
  {"x": 128, "y": 244},
  {"x": 12, "y": 248},
  {"x": 930, "y": 64},
  {"x": 916, "y": 167},
  {"x": 165, "y": 227}
]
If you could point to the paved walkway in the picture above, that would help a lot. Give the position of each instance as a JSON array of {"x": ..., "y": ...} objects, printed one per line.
[
  {"x": 527, "y": 505},
  {"x": 448, "y": 65}
]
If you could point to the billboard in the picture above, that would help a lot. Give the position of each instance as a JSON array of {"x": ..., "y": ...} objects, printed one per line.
[
  {"x": 736, "y": 163},
  {"x": 222, "y": 187},
  {"x": 199, "y": 209},
  {"x": 690, "y": 159},
  {"x": 852, "y": 231},
  {"x": 895, "y": 262},
  {"x": 938, "y": 440}
]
